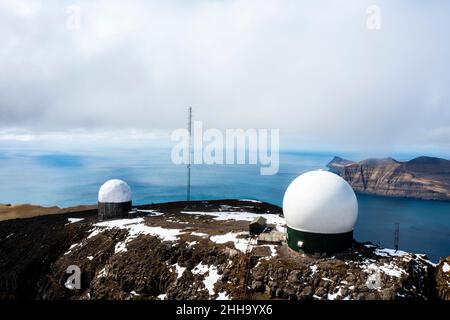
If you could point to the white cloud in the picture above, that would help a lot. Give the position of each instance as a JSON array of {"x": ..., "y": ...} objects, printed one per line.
[{"x": 312, "y": 69}]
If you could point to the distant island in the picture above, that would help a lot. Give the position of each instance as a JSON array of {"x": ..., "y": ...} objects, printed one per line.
[{"x": 426, "y": 178}]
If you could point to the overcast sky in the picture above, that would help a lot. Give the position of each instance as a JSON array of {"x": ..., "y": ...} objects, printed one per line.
[{"x": 313, "y": 69}]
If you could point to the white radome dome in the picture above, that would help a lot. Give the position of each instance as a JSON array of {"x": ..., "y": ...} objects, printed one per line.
[
  {"x": 114, "y": 191},
  {"x": 320, "y": 202}
]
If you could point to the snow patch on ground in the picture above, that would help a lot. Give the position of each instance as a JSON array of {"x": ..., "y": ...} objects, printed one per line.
[
  {"x": 211, "y": 277},
  {"x": 90, "y": 258},
  {"x": 313, "y": 269},
  {"x": 200, "y": 269},
  {"x": 423, "y": 258},
  {"x": 388, "y": 268},
  {"x": 74, "y": 220},
  {"x": 102, "y": 273},
  {"x": 239, "y": 243},
  {"x": 223, "y": 296},
  {"x": 93, "y": 233},
  {"x": 120, "y": 247},
  {"x": 162, "y": 296},
  {"x": 273, "y": 249},
  {"x": 334, "y": 295},
  {"x": 384, "y": 252},
  {"x": 135, "y": 227},
  {"x": 151, "y": 213},
  {"x": 250, "y": 200},
  {"x": 199, "y": 234},
  {"x": 446, "y": 267},
  {"x": 73, "y": 247},
  {"x": 178, "y": 269},
  {"x": 242, "y": 216}
]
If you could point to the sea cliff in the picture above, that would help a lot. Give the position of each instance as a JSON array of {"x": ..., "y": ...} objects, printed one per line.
[{"x": 425, "y": 178}]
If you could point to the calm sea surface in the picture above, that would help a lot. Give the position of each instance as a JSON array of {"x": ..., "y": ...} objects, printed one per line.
[{"x": 67, "y": 179}]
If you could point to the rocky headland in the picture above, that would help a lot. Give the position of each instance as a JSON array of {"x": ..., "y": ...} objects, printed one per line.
[{"x": 425, "y": 178}]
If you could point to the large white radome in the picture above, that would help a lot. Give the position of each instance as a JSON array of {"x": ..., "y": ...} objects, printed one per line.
[
  {"x": 320, "y": 202},
  {"x": 114, "y": 191}
]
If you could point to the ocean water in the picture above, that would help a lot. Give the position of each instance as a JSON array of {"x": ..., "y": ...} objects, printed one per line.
[{"x": 73, "y": 178}]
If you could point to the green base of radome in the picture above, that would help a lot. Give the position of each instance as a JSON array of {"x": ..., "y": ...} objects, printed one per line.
[{"x": 318, "y": 242}]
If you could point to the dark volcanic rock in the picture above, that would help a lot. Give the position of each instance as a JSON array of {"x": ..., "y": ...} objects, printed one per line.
[
  {"x": 443, "y": 279},
  {"x": 172, "y": 255}
]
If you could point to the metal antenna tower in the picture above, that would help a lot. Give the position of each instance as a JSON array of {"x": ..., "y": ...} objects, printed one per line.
[
  {"x": 188, "y": 197},
  {"x": 396, "y": 235}
]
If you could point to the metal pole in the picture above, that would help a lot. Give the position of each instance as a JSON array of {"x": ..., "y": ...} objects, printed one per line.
[
  {"x": 396, "y": 235},
  {"x": 189, "y": 156}
]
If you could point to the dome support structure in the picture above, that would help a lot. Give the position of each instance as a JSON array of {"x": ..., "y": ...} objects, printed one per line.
[
  {"x": 111, "y": 210},
  {"x": 310, "y": 242}
]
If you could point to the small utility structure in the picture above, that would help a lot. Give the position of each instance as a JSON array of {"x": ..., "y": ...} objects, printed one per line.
[{"x": 258, "y": 225}]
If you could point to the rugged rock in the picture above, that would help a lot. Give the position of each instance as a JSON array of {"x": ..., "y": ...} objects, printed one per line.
[
  {"x": 422, "y": 178},
  {"x": 443, "y": 278},
  {"x": 172, "y": 251}
]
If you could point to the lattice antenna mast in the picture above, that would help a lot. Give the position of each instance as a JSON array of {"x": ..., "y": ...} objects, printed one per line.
[{"x": 188, "y": 195}]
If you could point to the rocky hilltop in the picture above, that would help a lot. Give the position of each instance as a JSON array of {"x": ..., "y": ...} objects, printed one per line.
[
  {"x": 198, "y": 251},
  {"x": 422, "y": 178}
]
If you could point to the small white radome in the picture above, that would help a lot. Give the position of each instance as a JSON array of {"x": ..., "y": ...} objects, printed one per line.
[{"x": 114, "y": 191}]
